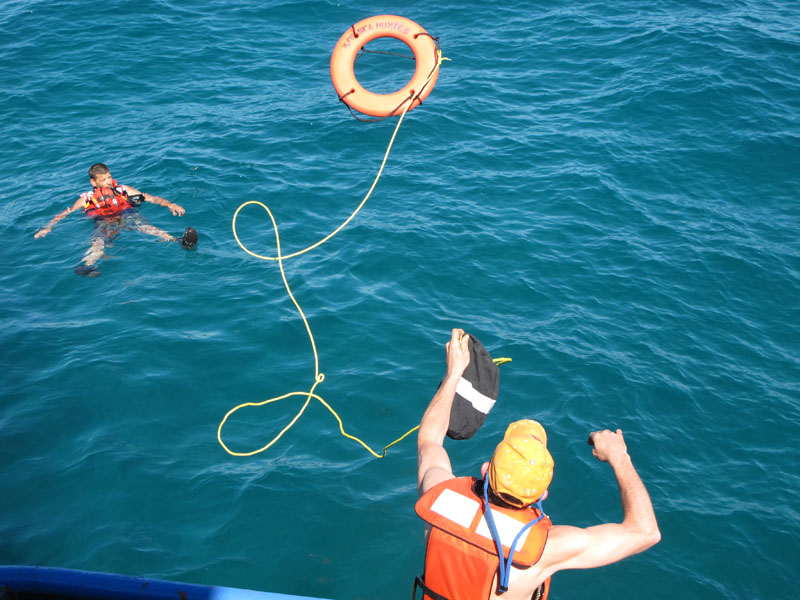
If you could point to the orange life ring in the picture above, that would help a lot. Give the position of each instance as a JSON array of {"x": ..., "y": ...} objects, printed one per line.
[{"x": 384, "y": 105}]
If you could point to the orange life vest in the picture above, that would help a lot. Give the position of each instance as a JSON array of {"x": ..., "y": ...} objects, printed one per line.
[
  {"x": 461, "y": 558},
  {"x": 106, "y": 202}
]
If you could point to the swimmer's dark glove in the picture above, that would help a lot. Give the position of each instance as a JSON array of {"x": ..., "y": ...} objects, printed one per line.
[
  {"x": 189, "y": 239},
  {"x": 476, "y": 393},
  {"x": 87, "y": 271}
]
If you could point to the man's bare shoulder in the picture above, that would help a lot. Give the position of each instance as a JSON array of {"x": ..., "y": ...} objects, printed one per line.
[
  {"x": 432, "y": 477},
  {"x": 576, "y": 548},
  {"x": 563, "y": 541}
]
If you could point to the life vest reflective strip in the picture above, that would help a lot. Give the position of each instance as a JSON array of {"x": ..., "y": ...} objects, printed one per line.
[
  {"x": 461, "y": 557},
  {"x": 106, "y": 202}
]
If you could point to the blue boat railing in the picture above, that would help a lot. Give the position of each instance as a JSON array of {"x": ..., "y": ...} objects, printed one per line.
[{"x": 24, "y": 581}]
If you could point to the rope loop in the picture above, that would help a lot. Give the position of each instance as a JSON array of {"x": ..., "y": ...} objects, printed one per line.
[
  {"x": 318, "y": 376},
  {"x": 280, "y": 258}
]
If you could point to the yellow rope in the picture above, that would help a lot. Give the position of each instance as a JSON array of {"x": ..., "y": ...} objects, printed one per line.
[{"x": 318, "y": 377}]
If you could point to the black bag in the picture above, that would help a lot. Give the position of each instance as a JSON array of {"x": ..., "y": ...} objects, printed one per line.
[{"x": 476, "y": 393}]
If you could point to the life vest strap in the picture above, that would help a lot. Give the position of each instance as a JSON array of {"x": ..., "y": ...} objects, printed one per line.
[
  {"x": 505, "y": 564},
  {"x": 540, "y": 593},
  {"x": 426, "y": 591}
]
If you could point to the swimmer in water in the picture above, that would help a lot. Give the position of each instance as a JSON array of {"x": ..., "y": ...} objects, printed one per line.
[{"x": 113, "y": 207}]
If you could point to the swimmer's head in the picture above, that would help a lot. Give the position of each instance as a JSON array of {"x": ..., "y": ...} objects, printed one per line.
[{"x": 100, "y": 175}]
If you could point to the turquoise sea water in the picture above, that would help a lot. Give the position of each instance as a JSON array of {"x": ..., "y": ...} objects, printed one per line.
[{"x": 606, "y": 193}]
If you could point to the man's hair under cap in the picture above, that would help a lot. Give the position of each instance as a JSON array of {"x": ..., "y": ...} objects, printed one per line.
[{"x": 521, "y": 467}]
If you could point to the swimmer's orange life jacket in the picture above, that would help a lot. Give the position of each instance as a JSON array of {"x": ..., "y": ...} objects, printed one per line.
[
  {"x": 106, "y": 202},
  {"x": 461, "y": 559}
]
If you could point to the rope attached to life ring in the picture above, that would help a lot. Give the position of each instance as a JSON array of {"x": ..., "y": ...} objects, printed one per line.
[{"x": 319, "y": 377}]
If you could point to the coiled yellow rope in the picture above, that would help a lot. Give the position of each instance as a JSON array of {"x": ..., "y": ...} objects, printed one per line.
[{"x": 318, "y": 376}]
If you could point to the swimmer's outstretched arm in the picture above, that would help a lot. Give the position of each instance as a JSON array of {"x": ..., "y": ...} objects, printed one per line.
[
  {"x": 176, "y": 209},
  {"x": 45, "y": 230}
]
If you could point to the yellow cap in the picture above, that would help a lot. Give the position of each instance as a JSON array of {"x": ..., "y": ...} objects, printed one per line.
[{"x": 521, "y": 467}]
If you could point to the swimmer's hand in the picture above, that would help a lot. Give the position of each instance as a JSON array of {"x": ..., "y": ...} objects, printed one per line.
[
  {"x": 176, "y": 209},
  {"x": 42, "y": 232}
]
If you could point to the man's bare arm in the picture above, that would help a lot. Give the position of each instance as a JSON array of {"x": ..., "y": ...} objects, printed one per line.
[
  {"x": 176, "y": 209},
  {"x": 576, "y": 548},
  {"x": 433, "y": 463},
  {"x": 46, "y": 229}
]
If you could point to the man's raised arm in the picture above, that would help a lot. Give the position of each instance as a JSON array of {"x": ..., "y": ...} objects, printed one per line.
[
  {"x": 433, "y": 464},
  {"x": 576, "y": 548}
]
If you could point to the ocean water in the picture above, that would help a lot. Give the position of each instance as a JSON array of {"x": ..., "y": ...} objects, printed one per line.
[{"x": 606, "y": 193}]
